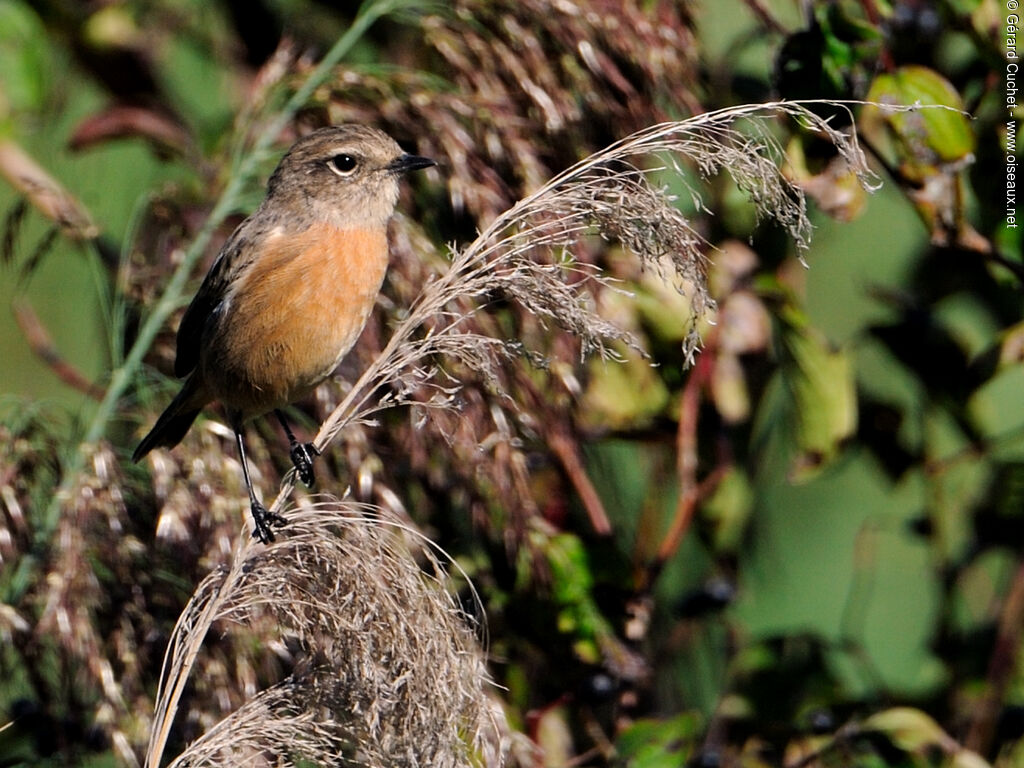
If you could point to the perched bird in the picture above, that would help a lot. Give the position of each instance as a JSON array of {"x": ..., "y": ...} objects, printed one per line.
[{"x": 290, "y": 291}]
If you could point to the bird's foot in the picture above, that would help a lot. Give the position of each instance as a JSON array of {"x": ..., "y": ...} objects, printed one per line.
[
  {"x": 263, "y": 520},
  {"x": 303, "y": 455}
]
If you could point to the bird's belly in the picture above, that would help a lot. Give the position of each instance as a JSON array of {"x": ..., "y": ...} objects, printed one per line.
[{"x": 288, "y": 325}]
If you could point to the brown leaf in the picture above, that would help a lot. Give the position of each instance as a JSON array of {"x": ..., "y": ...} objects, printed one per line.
[{"x": 123, "y": 121}]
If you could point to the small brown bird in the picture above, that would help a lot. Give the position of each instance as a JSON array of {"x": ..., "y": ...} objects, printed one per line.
[{"x": 290, "y": 291}]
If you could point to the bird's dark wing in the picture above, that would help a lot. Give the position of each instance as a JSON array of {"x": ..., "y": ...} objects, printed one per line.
[{"x": 207, "y": 302}]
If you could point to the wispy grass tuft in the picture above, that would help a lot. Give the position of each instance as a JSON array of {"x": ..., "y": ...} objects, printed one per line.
[
  {"x": 388, "y": 668},
  {"x": 525, "y": 254}
]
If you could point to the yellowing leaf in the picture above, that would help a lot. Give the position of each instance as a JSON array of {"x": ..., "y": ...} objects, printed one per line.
[
  {"x": 554, "y": 737},
  {"x": 930, "y": 146},
  {"x": 623, "y": 394},
  {"x": 729, "y": 389},
  {"x": 836, "y": 189},
  {"x": 924, "y": 138},
  {"x": 823, "y": 396},
  {"x": 910, "y": 729},
  {"x": 965, "y": 758}
]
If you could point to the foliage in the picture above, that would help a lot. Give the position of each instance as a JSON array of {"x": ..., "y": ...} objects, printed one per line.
[{"x": 797, "y": 543}]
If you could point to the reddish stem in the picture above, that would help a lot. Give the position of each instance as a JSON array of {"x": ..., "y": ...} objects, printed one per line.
[{"x": 40, "y": 342}]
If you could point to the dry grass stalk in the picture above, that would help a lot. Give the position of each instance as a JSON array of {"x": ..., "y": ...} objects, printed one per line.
[
  {"x": 44, "y": 192},
  {"x": 516, "y": 86},
  {"x": 388, "y": 671},
  {"x": 525, "y": 254}
]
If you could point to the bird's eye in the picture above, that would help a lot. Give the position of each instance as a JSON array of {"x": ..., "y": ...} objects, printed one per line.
[{"x": 343, "y": 165}]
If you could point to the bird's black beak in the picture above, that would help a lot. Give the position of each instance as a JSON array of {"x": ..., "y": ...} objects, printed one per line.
[{"x": 405, "y": 163}]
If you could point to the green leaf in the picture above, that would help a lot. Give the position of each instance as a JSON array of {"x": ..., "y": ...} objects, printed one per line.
[
  {"x": 593, "y": 639},
  {"x": 824, "y": 59},
  {"x": 570, "y": 571},
  {"x": 24, "y": 59},
  {"x": 822, "y": 394},
  {"x": 964, "y": 7},
  {"x": 659, "y": 743},
  {"x": 571, "y": 584},
  {"x": 921, "y": 140},
  {"x": 728, "y": 510}
]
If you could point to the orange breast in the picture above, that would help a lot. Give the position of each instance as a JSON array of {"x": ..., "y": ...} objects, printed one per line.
[{"x": 293, "y": 315}]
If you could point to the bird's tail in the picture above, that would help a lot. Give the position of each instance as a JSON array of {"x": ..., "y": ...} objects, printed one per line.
[{"x": 174, "y": 422}]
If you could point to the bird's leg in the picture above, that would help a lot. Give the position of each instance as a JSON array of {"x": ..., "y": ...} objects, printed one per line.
[
  {"x": 262, "y": 517},
  {"x": 302, "y": 453}
]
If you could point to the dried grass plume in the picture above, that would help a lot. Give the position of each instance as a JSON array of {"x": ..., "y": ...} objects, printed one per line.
[
  {"x": 387, "y": 669},
  {"x": 526, "y": 254}
]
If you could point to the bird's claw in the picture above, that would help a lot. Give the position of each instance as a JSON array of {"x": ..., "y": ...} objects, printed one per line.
[
  {"x": 302, "y": 457},
  {"x": 263, "y": 520}
]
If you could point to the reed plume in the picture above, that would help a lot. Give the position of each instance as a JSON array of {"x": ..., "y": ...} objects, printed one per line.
[
  {"x": 526, "y": 254},
  {"x": 387, "y": 670}
]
